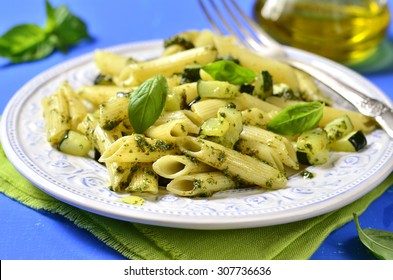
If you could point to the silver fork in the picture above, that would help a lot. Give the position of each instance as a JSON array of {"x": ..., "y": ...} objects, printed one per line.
[{"x": 231, "y": 19}]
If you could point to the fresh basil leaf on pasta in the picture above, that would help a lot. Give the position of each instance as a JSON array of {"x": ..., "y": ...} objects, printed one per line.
[
  {"x": 147, "y": 102},
  {"x": 297, "y": 118},
  {"x": 227, "y": 70}
]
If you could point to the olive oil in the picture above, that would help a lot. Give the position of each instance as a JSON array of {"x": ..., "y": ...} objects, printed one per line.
[{"x": 339, "y": 30}]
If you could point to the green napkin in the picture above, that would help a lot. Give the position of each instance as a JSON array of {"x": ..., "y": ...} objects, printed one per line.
[{"x": 297, "y": 240}]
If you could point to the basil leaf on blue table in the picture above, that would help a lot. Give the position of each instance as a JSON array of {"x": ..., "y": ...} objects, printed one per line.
[{"x": 379, "y": 242}]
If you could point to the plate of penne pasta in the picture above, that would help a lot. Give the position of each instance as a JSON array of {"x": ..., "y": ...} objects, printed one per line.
[{"x": 195, "y": 132}]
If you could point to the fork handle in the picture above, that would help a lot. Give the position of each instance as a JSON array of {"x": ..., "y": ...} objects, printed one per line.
[{"x": 365, "y": 105}]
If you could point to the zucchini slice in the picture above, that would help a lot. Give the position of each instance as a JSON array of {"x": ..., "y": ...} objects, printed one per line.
[
  {"x": 338, "y": 128},
  {"x": 312, "y": 147},
  {"x": 191, "y": 74},
  {"x": 217, "y": 89},
  {"x": 214, "y": 127},
  {"x": 74, "y": 143},
  {"x": 263, "y": 85},
  {"x": 352, "y": 142},
  {"x": 302, "y": 158}
]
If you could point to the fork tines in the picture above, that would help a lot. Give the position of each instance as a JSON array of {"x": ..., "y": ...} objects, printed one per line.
[{"x": 226, "y": 17}]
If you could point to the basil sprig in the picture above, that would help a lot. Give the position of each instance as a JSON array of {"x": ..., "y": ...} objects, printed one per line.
[
  {"x": 229, "y": 71},
  {"x": 147, "y": 102},
  {"x": 297, "y": 118},
  {"x": 28, "y": 42},
  {"x": 379, "y": 242}
]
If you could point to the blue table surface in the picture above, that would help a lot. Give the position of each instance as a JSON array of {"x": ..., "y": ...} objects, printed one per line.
[{"x": 29, "y": 234}]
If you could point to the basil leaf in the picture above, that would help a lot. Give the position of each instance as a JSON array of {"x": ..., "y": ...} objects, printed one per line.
[
  {"x": 297, "y": 118},
  {"x": 227, "y": 70},
  {"x": 69, "y": 28},
  {"x": 147, "y": 102},
  {"x": 50, "y": 17},
  {"x": 25, "y": 42},
  {"x": 379, "y": 242},
  {"x": 30, "y": 42}
]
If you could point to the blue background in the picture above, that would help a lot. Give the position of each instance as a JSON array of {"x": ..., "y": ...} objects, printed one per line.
[{"x": 31, "y": 234}]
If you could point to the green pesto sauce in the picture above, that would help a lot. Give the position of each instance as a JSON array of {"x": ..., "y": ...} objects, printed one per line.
[
  {"x": 307, "y": 174},
  {"x": 132, "y": 200}
]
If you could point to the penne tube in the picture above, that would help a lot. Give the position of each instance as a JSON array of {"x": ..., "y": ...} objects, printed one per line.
[
  {"x": 207, "y": 108},
  {"x": 256, "y": 117},
  {"x": 280, "y": 144},
  {"x": 281, "y": 72},
  {"x": 204, "y": 38},
  {"x": 77, "y": 110},
  {"x": 172, "y": 166},
  {"x": 246, "y": 101},
  {"x": 189, "y": 90},
  {"x": 143, "y": 179},
  {"x": 261, "y": 151},
  {"x": 110, "y": 63},
  {"x": 137, "y": 148},
  {"x": 188, "y": 116},
  {"x": 172, "y": 50},
  {"x": 103, "y": 139},
  {"x": 97, "y": 94},
  {"x": 169, "y": 131},
  {"x": 359, "y": 121},
  {"x": 119, "y": 173},
  {"x": 136, "y": 73},
  {"x": 309, "y": 90},
  {"x": 88, "y": 124},
  {"x": 114, "y": 111},
  {"x": 56, "y": 116},
  {"x": 242, "y": 168},
  {"x": 201, "y": 184}
]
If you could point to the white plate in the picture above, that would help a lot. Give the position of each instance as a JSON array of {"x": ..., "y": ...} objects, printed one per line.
[{"x": 82, "y": 182}]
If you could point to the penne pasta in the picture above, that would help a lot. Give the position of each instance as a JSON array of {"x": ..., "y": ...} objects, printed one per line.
[
  {"x": 118, "y": 171},
  {"x": 137, "y": 148},
  {"x": 56, "y": 116},
  {"x": 192, "y": 120},
  {"x": 110, "y": 63},
  {"x": 172, "y": 166},
  {"x": 280, "y": 144},
  {"x": 134, "y": 74},
  {"x": 281, "y": 72},
  {"x": 97, "y": 94},
  {"x": 246, "y": 101},
  {"x": 207, "y": 108},
  {"x": 77, "y": 110},
  {"x": 261, "y": 151},
  {"x": 169, "y": 131},
  {"x": 359, "y": 121},
  {"x": 242, "y": 168},
  {"x": 256, "y": 117},
  {"x": 114, "y": 111},
  {"x": 201, "y": 184},
  {"x": 143, "y": 179}
]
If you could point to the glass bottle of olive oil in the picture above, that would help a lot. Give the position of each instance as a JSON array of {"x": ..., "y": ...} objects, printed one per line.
[{"x": 346, "y": 31}]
